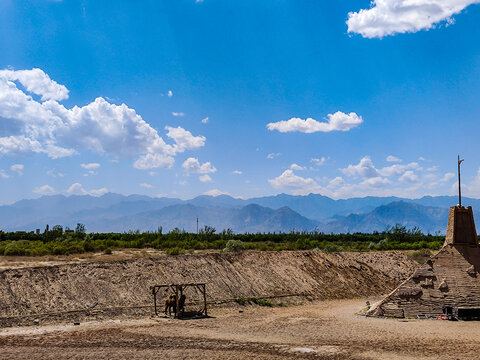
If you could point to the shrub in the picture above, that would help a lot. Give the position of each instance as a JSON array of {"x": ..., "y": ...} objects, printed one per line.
[
  {"x": 108, "y": 251},
  {"x": 331, "y": 248},
  {"x": 234, "y": 246},
  {"x": 174, "y": 251}
]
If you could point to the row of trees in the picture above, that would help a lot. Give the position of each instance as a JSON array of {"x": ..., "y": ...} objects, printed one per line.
[{"x": 56, "y": 241}]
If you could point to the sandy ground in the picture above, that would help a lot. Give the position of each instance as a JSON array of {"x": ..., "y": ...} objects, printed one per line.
[{"x": 320, "y": 330}]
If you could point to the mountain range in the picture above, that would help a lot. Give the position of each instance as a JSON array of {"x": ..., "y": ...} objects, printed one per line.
[{"x": 281, "y": 213}]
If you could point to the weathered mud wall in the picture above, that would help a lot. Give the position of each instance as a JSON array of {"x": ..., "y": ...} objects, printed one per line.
[
  {"x": 120, "y": 287},
  {"x": 450, "y": 278}
]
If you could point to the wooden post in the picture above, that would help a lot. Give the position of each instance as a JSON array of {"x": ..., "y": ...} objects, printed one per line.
[
  {"x": 155, "y": 299},
  {"x": 176, "y": 301},
  {"x": 205, "y": 299}
]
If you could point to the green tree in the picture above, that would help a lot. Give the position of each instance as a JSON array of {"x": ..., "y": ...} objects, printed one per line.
[{"x": 80, "y": 229}]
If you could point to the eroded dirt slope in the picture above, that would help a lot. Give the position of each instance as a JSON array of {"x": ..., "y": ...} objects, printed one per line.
[{"x": 122, "y": 286}]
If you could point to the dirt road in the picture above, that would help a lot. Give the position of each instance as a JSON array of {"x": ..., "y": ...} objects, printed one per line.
[{"x": 320, "y": 330}]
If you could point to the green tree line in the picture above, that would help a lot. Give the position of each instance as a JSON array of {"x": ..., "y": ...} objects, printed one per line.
[{"x": 59, "y": 242}]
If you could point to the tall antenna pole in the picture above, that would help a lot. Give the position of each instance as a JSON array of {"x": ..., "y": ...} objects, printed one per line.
[
  {"x": 197, "y": 225},
  {"x": 459, "y": 186}
]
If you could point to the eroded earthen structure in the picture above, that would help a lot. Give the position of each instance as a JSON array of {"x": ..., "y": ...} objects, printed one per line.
[{"x": 449, "y": 280}]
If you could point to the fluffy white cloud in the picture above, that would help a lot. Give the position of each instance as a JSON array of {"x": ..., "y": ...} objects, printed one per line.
[
  {"x": 335, "y": 122},
  {"x": 3, "y": 174},
  {"x": 178, "y": 113},
  {"x": 193, "y": 166},
  {"x": 205, "y": 120},
  {"x": 17, "y": 168},
  {"x": 90, "y": 166},
  {"x": 205, "y": 178},
  {"x": 48, "y": 127},
  {"x": 375, "y": 182},
  {"x": 364, "y": 169},
  {"x": 170, "y": 93},
  {"x": 389, "y": 17},
  {"x": 296, "y": 167},
  {"x": 44, "y": 190},
  {"x": 184, "y": 139},
  {"x": 237, "y": 172},
  {"x": 409, "y": 176},
  {"x": 295, "y": 184},
  {"x": 146, "y": 186},
  {"x": 78, "y": 189},
  {"x": 364, "y": 179},
  {"x": 391, "y": 158},
  {"x": 36, "y": 82},
  {"x": 319, "y": 161}
]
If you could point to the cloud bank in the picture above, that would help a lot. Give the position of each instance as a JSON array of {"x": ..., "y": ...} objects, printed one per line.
[{"x": 45, "y": 126}]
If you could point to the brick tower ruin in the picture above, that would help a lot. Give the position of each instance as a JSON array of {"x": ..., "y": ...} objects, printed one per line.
[{"x": 448, "y": 282}]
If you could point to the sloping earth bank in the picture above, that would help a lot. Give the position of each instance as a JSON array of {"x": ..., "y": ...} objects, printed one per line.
[{"x": 122, "y": 287}]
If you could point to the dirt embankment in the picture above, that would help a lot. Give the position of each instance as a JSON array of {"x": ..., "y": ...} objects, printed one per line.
[{"x": 120, "y": 287}]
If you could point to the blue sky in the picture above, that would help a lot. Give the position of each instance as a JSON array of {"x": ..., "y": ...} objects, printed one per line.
[{"x": 181, "y": 98}]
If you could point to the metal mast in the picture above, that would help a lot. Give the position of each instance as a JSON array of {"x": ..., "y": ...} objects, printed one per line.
[{"x": 459, "y": 186}]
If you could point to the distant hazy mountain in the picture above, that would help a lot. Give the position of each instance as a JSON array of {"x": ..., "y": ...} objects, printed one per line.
[
  {"x": 114, "y": 212},
  {"x": 429, "y": 219},
  {"x": 250, "y": 218}
]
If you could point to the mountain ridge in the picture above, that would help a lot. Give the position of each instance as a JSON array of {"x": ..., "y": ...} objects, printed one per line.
[{"x": 344, "y": 215}]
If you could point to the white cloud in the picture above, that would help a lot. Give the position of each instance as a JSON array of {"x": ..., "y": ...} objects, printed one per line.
[
  {"x": 319, "y": 161},
  {"x": 391, "y": 158},
  {"x": 78, "y": 189},
  {"x": 335, "y": 122},
  {"x": 44, "y": 190},
  {"x": 90, "y": 166},
  {"x": 389, "y": 17},
  {"x": 193, "y": 166},
  {"x": 3, "y": 174},
  {"x": 170, "y": 93},
  {"x": 471, "y": 188},
  {"x": 433, "y": 168},
  {"x": 273, "y": 155},
  {"x": 48, "y": 127},
  {"x": 408, "y": 176},
  {"x": 237, "y": 172},
  {"x": 215, "y": 192},
  {"x": 294, "y": 184},
  {"x": 364, "y": 169},
  {"x": 174, "y": 113},
  {"x": 146, "y": 186},
  {"x": 375, "y": 182},
  {"x": 364, "y": 179},
  {"x": 17, "y": 168},
  {"x": 184, "y": 139},
  {"x": 296, "y": 167},
  {"x": 447, "y": 177},
  {"x": 37, "y": 82},
  {"x": 205, "y": 120},
  {"x": 205, "y": 178}
]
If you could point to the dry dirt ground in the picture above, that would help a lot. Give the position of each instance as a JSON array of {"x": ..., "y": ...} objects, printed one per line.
[{"x": 319, "y": 330}]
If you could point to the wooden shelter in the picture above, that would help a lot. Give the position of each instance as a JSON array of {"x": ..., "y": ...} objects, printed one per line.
[{"x": 178, "y": 290}]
